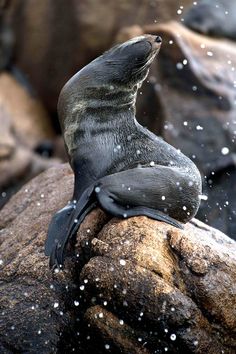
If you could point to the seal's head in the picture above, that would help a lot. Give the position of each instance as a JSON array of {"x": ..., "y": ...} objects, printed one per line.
[
  {"x": 125, "y": 64},
  {"x": 129, "y": 62},
  {"x": 108, "y": 83}
]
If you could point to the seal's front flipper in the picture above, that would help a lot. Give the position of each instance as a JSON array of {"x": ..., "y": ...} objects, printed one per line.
[
  {"x": 63, "y": 226},
  {"x": 111, "y": 206}
]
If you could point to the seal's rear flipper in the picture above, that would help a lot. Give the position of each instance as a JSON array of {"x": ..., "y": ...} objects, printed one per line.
[
  {"x": 57, "y": 227},
  {"x": 111, "y": 206},
  {"x": 58, "y": 253},
  {"x": 63, "y": 226}
]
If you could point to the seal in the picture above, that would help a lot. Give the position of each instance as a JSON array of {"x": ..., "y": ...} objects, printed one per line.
[
  {"x": 118, "y": 164},
  {"x": 212, "y": 18}
]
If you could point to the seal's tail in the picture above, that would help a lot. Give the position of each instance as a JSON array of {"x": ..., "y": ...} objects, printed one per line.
[{"x": 63, "y": 226}]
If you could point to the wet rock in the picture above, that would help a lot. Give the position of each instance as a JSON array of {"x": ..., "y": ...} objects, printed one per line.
[
  {"x": 66, "y": 36},
  {"x": 130, "y": 286}
]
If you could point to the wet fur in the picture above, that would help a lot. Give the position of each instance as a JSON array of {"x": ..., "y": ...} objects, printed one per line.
[{"x": 118, "y": 164}]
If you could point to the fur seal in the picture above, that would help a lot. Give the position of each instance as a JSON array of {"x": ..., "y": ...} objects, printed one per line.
[
  {"x": 118, "y": 164},
  {"x": 213, "y": 18}
]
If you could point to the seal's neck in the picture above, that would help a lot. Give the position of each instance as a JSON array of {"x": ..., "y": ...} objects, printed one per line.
[
  {"x": 101, "y": 104},
  {"x": 110, "y": 97},
  {"x": 97, "y": 109}
]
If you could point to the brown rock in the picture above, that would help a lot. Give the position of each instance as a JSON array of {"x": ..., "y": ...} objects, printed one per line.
[
  {"x": 154, "y": 276},
  {"x": 24, "y": 125},
  {"x": 28, "y": 117},
  {"x": 146, "y": 286}
]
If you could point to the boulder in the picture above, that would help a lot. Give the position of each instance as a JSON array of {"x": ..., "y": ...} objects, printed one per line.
[{"x": 129, "y": 286}]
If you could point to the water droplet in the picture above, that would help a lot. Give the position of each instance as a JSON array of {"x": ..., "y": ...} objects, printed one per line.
[
  {"x": 198, "y": 127},
  {"x": 179, "y": 66},
  {"x": 203, "y": 197},
  {"x": 224, "y": 151},
  {"x": 210, "y": 54}
]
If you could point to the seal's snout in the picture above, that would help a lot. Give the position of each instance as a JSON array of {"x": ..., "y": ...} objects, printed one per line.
[{"x": 158, "y": 39}]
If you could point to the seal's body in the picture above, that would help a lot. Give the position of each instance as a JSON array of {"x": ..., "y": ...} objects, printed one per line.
[
  {"x": 213, "y": 18},
  {"x": 118, "y": 164}
]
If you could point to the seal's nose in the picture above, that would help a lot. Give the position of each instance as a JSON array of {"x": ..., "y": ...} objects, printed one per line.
[{"x": 158, "y": 39}]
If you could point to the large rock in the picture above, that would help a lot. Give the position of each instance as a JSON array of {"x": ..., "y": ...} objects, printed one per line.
[
  {"x": 67, "y": 35},
  {"x": 130, "y": 286}
]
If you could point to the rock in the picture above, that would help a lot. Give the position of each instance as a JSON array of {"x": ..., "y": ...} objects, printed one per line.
[
  {"x": 28, "y": 116},
  {"x": 66, "y": 36},
  {"x": 190, "y": 100},
  {"x": 130, "y": 286},
  {"x": 217, "y": 20},
  {"x": 24, "y": 125},
  {"x": 198, "y": 101}
]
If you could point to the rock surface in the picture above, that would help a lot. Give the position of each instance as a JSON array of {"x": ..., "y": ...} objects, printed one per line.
[{"x": 130, "y": 286}]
